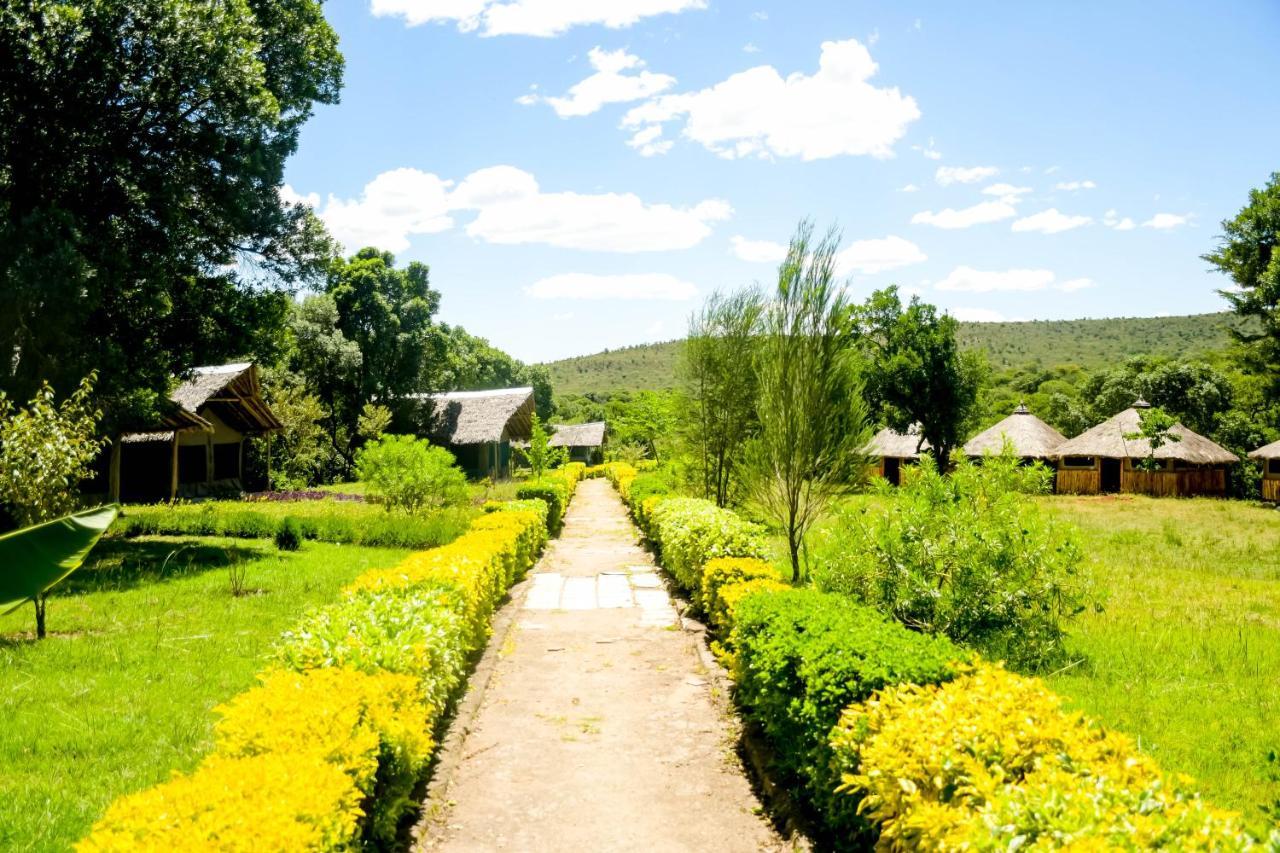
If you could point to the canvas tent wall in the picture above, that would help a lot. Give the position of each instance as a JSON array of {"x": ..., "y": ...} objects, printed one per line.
[
  {"x": 584, "y": 441},
  {"x": 478, "y": 427},
  {"x": 892, "y": 450},
  {"x": 199, "y": 446},
  {"x": 1269, "y": 456},
  {"x": 1102, "y": 459}
]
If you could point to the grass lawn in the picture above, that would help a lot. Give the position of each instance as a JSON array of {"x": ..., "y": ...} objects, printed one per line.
[
  {"x": 119, "y": 695},
  {"x": 1186, "y": 653}
]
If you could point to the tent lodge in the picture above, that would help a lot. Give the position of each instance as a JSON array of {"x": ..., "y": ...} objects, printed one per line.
[
  {"x": 1269, "y": 456},
  {"x": 585, "y": 442},
  {"x": 893, "y": 450},
  {"x": 1032, "y": 439},
  {"x": 479, "y": 427}
]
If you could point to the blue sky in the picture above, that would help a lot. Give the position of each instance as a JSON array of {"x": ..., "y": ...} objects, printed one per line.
[{"x": 579, "y": 174}]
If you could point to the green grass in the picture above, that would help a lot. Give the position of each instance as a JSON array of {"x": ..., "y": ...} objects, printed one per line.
[
  {"x": 140, "y": 650},
  {"x": 1184, "y": 655}
]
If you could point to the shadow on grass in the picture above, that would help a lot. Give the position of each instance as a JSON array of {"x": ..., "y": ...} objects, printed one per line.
[{"x": 121, "y": 564}]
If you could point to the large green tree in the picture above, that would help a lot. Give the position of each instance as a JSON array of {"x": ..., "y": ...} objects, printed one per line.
[
  {"x": 473, "y": 364},
  {"x": 1247, "y": 253},
  {"x": 142, "y": 148},
  {"x": 916, "y": 372}
]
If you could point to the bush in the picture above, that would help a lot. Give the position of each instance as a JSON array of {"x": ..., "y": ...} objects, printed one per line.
[
  {"x": 552, "y": 490},
  {"x": 726, "y": 580},
  {"x": 691, "y": 531},
  {"x": 346, "y": 523},
  {"x": 375, "y": 728},
  {"x": 280, "y": 801},
  {"x": 289, "y": 534},
  {"x": 991, "y": 761},
  {"x": 966, "y": 555},
  {"x": 802, "y": 657},
  {"x": 408, "y": 473}
]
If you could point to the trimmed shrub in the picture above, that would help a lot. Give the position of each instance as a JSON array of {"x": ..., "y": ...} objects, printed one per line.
[
  {"x": 552, "y": 490},
  {"x": 991, "y": 761},
  {"x": 279, "y": 801},
  {"x": 726, "y": 580},
  {"x": 691, "y": 531},
  {"x": 289, "y": 534},
  {"x": 802, "y": 657},
  {"x": 375, "y": 728}
]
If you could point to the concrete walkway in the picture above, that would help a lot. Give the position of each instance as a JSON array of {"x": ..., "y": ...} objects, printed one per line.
[{"x": 598, "y": 730}]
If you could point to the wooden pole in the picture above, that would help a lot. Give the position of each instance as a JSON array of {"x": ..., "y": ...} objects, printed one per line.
[
  {"x": 268, "y": 460},
  {"x": 173, "y": 469},
  {"x": 113, "y": 469}
]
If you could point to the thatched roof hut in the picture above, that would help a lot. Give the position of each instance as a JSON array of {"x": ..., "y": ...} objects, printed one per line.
[
  {"x": 585, "y": 442},
  {"x": 1031, "y": 437},
  {"x": 893, "y": 449},
  {"x": 1269, "y": 456},
  {"x": 199, "y": 442},
  {"x": 479, "y": 426},
  {"x": 1103, "y": 459}
]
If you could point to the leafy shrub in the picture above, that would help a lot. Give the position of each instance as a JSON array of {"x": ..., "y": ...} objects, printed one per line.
[
  {"x": 991, "y": 761},
  {"x": 416, "y": 631},
  {"x": 289, "y": 534},
  {"x": 554, "y": 491},
  {"x": 966, "y": 555},
  {"x": 326, "y": 521},
  {"x": 802, "y": 657},
  {"x": 373, "y": 727},
  {"x": 278, "y": 801},
  {"x": 408, "y": 473},
  {"x": 691, "y": 531},
  {"x": 726, "y": 580}
]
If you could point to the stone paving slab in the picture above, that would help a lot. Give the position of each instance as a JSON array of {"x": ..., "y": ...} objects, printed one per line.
[{"x": 598, "y": 731}]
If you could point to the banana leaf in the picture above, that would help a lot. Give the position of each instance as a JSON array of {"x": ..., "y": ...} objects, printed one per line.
[{"x": 36, "y": 558}]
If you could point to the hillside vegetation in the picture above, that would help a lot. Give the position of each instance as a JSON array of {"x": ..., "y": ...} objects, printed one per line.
[{"x": 1089, "y": 344}]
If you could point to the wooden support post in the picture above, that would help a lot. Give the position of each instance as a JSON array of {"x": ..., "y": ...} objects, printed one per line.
[
  {"x": 208, "y": 459},
  {"x": 268, "y": 460},
  {"x": 113, "y": 471},
  {"x": 173, "y": 469}
]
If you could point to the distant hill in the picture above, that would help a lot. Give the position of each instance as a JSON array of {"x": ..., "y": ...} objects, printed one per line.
[{"x": 1087, "y": 343}]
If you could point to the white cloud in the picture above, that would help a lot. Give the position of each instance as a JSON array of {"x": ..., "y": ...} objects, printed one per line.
[
  {"x": 760, "y": 16},
  {"x": 1072, "y": 186},
  {"x": 1050, "y": 222},
  {"x": 970, "y": 280},
  {"x": 758, "y": 112},
  {"x": 909, "y": 188},
  {"x": 1165, "y": 221},
  {"x": 976, "y": 315},
  {"x": 1052, "y": 169},
  {"x": 978, "y": 214},
  {"x": 928, "y": 151},
  {"x": 750, "y": 47},
  {"x": 947, "y": 175},
  {"x": 1112, "y": 219},
  {"x": 874, "y": 38},
  {"x": 630, "y": 286},
  {"x": 758, "y": 251},
  {"x": 1007, "y": 192},
  {"x": 510, "y": 208},
  {"x": 611, "y": 84},
  {"x": 529, "y": 17},
  {"x": 649, "y": 142},
  {"x": 289, "y": 195},
  {"x": 873, "y": 256}
]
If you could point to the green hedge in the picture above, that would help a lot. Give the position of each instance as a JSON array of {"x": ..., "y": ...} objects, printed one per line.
[
  {"x": 801, "y": 658},
  {"x": 324, "y": 521},
  {"x": 690, "y": 531},
  {"x": 554, "y": 492}
]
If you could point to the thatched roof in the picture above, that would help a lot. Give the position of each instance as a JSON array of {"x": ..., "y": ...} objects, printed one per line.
[
  {"x": 1031, "y": 437},
  {"x": 229, "y": 391},
  {"x": 477, "y": 417},
  {"x": 893, "y": 444},
  {"x": 1267, "y": 451},
  {"x": 1108, "y": 440},
  {"x": 578, "y": 435}
]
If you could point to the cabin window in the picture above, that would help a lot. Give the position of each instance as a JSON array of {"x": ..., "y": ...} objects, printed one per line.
[
  {"x": 1078, "y": 462},
  {"x": 193, "y": 463},
  {"x": 1273, "y": 466},
  {"x": 226, "y": 461}
]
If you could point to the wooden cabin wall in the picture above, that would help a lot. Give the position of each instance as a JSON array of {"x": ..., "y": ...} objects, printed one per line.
[
  {"x": 1200, "y": 481},
  {"x": 1079, "y": 481},
  {"x": 1271, "y": 489}
]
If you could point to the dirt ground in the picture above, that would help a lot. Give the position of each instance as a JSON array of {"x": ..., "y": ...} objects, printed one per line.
[{"x": 597, "y": 730}]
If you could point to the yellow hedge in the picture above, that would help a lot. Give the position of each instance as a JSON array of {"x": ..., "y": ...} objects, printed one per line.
[
  {"x": 278, "y": 801},
  {"x": 991, "y": 761}
]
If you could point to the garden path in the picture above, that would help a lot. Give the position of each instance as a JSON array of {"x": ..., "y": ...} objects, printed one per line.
[{"x": 598, "y": 728}]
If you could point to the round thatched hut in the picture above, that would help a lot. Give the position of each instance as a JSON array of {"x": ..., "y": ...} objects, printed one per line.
[
  {"x": 894, "y": 449},
  {"x": 1031, "y": 438},
  {"x": 1102, "y": 459},
  {"x": 1269, "y": 456}
]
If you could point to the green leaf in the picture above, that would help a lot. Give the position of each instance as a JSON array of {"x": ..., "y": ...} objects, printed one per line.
[{"x": 36, "y": 558}]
